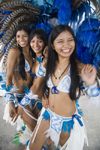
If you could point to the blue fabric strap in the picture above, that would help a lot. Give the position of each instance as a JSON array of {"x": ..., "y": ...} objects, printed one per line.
[
  {"x": 25, "y": 101},
  {"x": 32, "y": 74},
  {"x": 77, "y": 118}
]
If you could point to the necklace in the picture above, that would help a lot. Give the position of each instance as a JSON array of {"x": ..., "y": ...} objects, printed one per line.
[
  {"x": 61, "y": 73},
  {"x": 59, "y": 68}
]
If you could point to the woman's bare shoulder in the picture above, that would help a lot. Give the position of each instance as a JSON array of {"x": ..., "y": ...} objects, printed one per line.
[{"x": 14, "y": 51}]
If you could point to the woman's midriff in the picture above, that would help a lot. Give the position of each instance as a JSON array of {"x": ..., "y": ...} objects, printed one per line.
[
  {"x": 61, "y": 104},
  {"x": 20, "y": 83}
]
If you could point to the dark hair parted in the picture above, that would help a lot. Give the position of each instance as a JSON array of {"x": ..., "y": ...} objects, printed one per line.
[
  {"x": 53, "y": 57},
  {"x": 41, "y": 34},
  {"x": 21, "y": 65}
]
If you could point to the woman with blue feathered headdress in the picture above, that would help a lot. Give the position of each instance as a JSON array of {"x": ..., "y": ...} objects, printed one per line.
[{"x": 74, "y": 17}]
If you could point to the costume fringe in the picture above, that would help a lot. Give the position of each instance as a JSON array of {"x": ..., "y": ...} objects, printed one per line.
[
  {"x": 53, "y": 135},
  {"x": 78, "y": 137},
  {"x": 25, "y": 136}
]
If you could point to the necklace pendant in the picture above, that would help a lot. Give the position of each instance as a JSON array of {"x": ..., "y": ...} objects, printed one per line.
[{"x": 58, "y": 70}]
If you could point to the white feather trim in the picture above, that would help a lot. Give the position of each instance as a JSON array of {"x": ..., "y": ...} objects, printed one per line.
[
  {"x": 77, "y": 137},
  {"x": 32, "y": 96},
  {"x": 19, "y": 123},
  {"x": 53, "y": 135},
  {"x": 25, "y": 136},
  {"x": 6, "y": 115},
  {"x": 13, "y": 89}
]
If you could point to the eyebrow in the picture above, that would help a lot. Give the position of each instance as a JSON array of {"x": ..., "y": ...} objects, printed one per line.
[
  {"x": 62, "y": 39},
  {"x": 58, "y": 39},
  {"x": 71, "y": 38}
]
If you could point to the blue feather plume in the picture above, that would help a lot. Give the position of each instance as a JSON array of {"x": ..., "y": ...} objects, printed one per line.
[
  {"x": 77, "y": 14},
  {"x": 96, "y": 54},
  {"x": 92, "y": 25},
  {"x": 89, "y": 38},
  {"x": 64, "y": 15},
  {"x": 45, "y": 26},
  {"x": 87, "y": 57},
  {"x": 4, "y": 49},
  {"x": 60, "y": 3}
]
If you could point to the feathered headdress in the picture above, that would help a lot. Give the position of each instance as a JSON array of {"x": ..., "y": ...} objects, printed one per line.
[
  {"x": 82, "y": 15},
  {"x": 12, "y": 14}
]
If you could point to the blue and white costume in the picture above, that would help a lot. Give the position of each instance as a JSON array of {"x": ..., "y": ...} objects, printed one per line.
[
  {"x": 31, "y": 100},
  {"x": 40, "y": 72},
  {"x": 73, "y": 124},
  {"x": 14, "y": 97},
  {"x": 63, "y": 86}
]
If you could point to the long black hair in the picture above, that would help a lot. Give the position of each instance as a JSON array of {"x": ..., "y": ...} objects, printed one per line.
[
  {"x": 41, "y": 34},
  {"x": 53, "y": 57},
  {"x": 21, "y": 65}
]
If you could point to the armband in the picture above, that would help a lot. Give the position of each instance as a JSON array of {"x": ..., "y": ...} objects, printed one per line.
[
  {"x": 10, "y": 97},
  {"x": 93, "y": 90},
  {"x": 9, "y": 92},
  {"x": 26, "y": 99}
]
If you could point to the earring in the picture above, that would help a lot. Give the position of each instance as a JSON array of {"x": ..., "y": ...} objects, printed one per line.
[{"x": 17, "y": 44}]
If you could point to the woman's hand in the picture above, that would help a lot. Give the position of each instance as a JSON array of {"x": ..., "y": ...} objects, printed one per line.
[
  {"x": 88, "y": 74},
  {"x": 45, "y": 102},
  {"x": 12, "y": 110}
]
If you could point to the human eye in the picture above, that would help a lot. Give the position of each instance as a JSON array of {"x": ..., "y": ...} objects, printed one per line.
[
  {"x": 40, "y": 41},
  {"x": 71, "y": 39},
  {"x": 17, "y": 36},
  {"x": 24, "y": 35},
  {"x": 32, "y": 41},
  {"x": 60, "y": 41}
]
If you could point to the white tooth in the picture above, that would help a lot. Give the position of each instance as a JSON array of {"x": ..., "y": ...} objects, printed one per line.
[
  {"x": 66, "y": 50},
  {"x": 22, "y": 42}
]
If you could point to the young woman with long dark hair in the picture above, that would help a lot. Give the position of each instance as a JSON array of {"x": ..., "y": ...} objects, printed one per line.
[
  {"x": 19, "y": 63},
  {"x": 31, "y": 104},
  {"x": 62, "y": 121}
]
